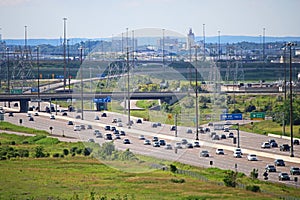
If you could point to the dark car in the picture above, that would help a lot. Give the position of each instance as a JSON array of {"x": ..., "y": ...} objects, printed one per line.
[
  {"x": 70, "y": 123},
  {"x": 138, "y": 121},
  {"x": 64, "y": 114},
  {"x": 126, "y": 141},
  {"x": 122, "y": 133},
  {"x": 230, "y": 135},
  {"x": 162, "y": 142},
  {"x": 274, "y": 144},
  {"x": 279, "y": 162},
  {"x": 295, "y": 171},
  {"x": 270, "y": 168},
  {"x": 284, "y": 147},
  {"x": 283, "y": 176},
  {"x": 204, "y": 153},
  {"x": 78, "y": 117},
  {"x": 173, "y": 128},
  {"x": 113, "y": 128},
  {"x": 107, "y": 128},
  {"x": 31, "y": 119},
  {"x": 155, "y": 139},
  {"x": 108, "y": 136},
  {"x": 10, "y": 114},
  {"x": 104, "y": 115},
  {"x": 296, "y": 142}
]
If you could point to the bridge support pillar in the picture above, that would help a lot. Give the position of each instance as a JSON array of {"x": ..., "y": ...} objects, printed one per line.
[
  {"x": 24, "y": 105},
  {"x": 101, "y": 106}
]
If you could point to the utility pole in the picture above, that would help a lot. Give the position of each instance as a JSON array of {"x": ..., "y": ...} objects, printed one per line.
[
  {"x": 38, "y": 73},
  {"x": 196, "y": 91},
  {"x": 81, "y": 81},
  {"x": 65, "y": 61},
  {"x": 128, "y": 79}
]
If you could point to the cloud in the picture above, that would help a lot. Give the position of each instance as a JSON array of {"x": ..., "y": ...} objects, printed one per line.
[{"x": 13, "y": 2}]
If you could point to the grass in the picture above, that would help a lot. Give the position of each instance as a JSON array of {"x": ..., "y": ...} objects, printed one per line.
[
  {"x": 22, "y": 129},
  {"x": 79, "y": 177},
  {"x": 268, "y": 126}
]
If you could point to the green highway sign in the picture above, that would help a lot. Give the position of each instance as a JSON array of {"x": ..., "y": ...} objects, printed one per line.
[
  {"x": 16, "y": 91},
  {"x": 257, "y": 116}
]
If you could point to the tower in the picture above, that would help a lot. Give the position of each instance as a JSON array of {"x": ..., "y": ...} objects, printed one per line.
[{"x": 190, "y": 39}]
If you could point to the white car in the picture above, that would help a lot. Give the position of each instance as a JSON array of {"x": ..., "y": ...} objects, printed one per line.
[
  {"x": 238, "y": 150},
  {"x": 220, "y": 151},
  {"x": 168, "y": 146},
  {"x": 266, "y": 145},
  {"x": 178, "y": 145},
  {"x": 77, "y": 128},
  {"x": 52, "y": 117},
  {"x": 252, "y": 157}
]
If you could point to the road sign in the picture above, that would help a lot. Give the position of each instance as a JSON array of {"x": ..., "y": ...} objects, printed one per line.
[
  {"x": 235, "y": 116},
  {"x": 16, "y": 91},
  {"x": 102, "y": 100},
  {"x": 1, "y": 116},
  {"x": 257, "y": 116}
]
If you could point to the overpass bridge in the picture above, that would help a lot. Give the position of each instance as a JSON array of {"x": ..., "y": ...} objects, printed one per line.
[{"x": 169, "y": 97}]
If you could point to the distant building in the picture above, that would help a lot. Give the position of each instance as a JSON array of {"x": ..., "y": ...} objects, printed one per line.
[{"x": 190, "y": 39}]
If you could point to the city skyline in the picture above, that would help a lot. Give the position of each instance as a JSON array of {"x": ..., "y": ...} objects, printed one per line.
[{"x": 99, "y": 19}]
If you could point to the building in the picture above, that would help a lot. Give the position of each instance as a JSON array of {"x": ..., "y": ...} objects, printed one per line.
[{"x": 190, "y": 39}]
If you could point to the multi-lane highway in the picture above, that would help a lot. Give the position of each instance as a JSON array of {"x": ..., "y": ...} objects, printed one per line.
[{"x": 249, "y": 142}]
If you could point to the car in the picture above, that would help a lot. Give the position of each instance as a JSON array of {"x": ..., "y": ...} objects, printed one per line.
[
  {"x": 78, "y": 117},
  {"x": 283, "y": 176},
  {"x": 196, "y": 144},
  {"x": 204, "y": 153},
  {"x": 184, "y": 141},
  {"x": 189, "y": 146},
  {"x": 220, "y": 151},
  {"x": 237, "y": 154},
  {"x": 212, "y": 134},
  {"x": 226, "y": 129},
  {"x": 178, "y": 145},
  {"x": 16, "y": 104},
  {"x": 126, "y": 141},
  {"x": 64, "y": 114},
  {"x": 52, "y": 117},
  {"x": 173, "y": 128},
  {"x": 147, "y": 142},
  {"x": 270, "y": 168},
  {"x": 122, "y": 133},
  {"x": 158, "y": 123},
  {"x": 107, "y": 128},
  {"x": 271, "y": 140},
  {"x": 295, "y": 171},
  {"x": 238, "y": 150},
  {"x": 155, "y": 139},
  {"x": 97, "y": 118},
  {"x": 189, "y": 130},
  {"x": 252, "y": 157},
  {"x": 117, "y": 136},
  {"x": 104, "y": 115},
  {"x": 168, "y": 146},
  {"x": 116, "y": 131},
  {"x": 10, "y": 114},
  {"x": 98, "y": 135},
  {"x": 77, "y": 128},
  {"x": 215, "y": 137},
  {"x": 113, "y": 128},
  {"x": 284, "y": 147},
  {"x": 142, "y": 137},
  {"x": 82, "y": 126},
  {"x": 108, "y": 136},
  {"x": 207, "y": 129},
  {"x": 114, "y": 120},
  {"x": 210, "y": 124},
  {"x": 96, "y": 131},
  {"x": 230, "y": 135},
  {"x": 120, "y": 124},
  {"x": 279, "y": 162},
  {"x": 139, "y": 121},
  {"x": 36, "y": 114},
  {"x": 89, "y": 126},
  {"x": 162, "y": 142},
  {"x": 31, "y": 119},
  {"x": 154, "y": 125},
  {"x": 223, "y": 136},
  {"x": 91, "y": 140},
  {"x": 156, "y": 144},
  {"x": 70, "y": 123},
  {"x": 29, "y": 115},
  {"x": 296, "y": 142},
  {"x": 274, "y": 144},
  {"x": 265, "y": 145}
]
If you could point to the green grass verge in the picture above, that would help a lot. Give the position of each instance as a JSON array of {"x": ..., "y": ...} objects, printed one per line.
[{"x": 22, "y": 129}]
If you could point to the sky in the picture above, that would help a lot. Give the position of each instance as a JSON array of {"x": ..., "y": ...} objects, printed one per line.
[{"x": 105, "y": 18}]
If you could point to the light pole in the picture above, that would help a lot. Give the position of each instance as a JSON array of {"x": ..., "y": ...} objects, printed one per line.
[
  {"x": 81, "y": 82},
  {"x": 128, "y": 79},
  {"x": 38, "y": 73},
  {"x": 290, "y": 45},
  {"x": 65, "y": 62},
  {"x": 196, "y": 91},
  {"x": 8, "y": 81},
  {"x": 69, "y": 74}
]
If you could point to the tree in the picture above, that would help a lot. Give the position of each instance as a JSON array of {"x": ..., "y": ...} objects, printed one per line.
[
  {"x": 230, "y": 179},
  {"x": 39, "y": 152}
]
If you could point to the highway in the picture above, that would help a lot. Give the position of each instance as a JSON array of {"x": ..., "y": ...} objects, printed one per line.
[{"x": 249, "y": 142}]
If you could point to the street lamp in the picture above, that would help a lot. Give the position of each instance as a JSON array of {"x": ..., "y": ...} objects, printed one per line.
[
  {"x": 8, "y": 81},
  {"x": 196, "y": 91},
  {"x": 38, "y": 73},
  {"x": 290, "y": 45},
  {"x": 81, "y": 82},
  {"x": 65, "y": 62},
  {"x": 69, "y": 74}
]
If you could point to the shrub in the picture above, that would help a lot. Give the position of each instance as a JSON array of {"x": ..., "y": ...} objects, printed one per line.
[
  {"x": 23, "y": 153},
  {"x": 13, "y": 143},
  {"x": 230, "y": 179},
  {"x": 253, "y": 188},
  {"x": 73, "y": 149},
  {"x": 55, "y": 155},
  {"x": 173, "y": 168},
  {"x": 39, "y": 152},
  {"x": 254, "y": 174},
  {"x": 177, "y": 180},
  {"x": 66, "y": 152},
  {"x": 87, "y": 151},
  {"x": 79, "y": 151}
]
